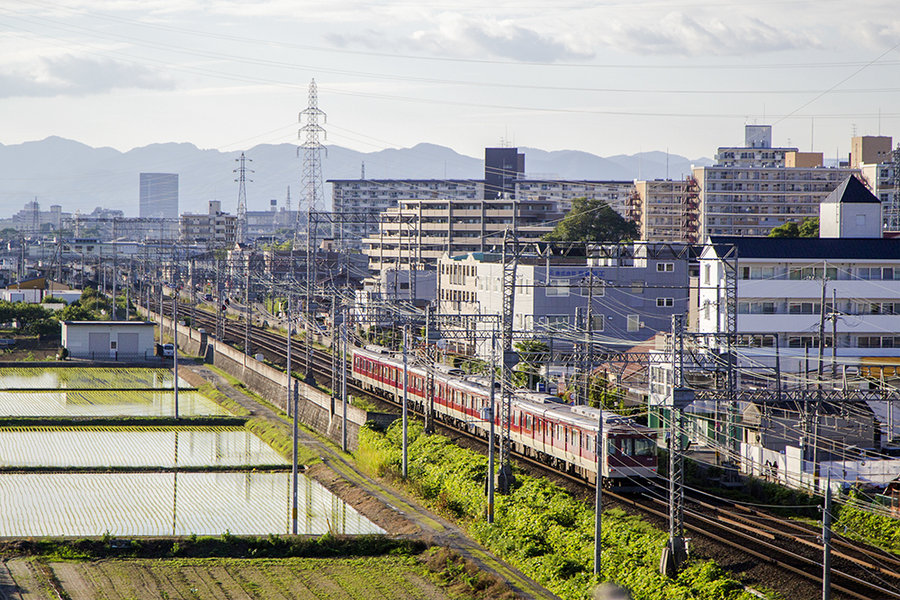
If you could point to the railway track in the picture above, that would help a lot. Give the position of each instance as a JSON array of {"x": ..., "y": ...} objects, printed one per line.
[{"x": 858, "y": 571}]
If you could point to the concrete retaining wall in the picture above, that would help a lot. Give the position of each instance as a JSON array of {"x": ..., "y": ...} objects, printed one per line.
[{"x": 315, "y": 407}]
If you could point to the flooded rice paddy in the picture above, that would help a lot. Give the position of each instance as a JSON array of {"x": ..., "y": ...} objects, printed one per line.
[
  {"x": 106, "y": 403},
  {"x": 134, "y": 447},
  {"x": 92, "y": 378},
  {"x": 239, "y": 499},
  {"x": 153, "y": 504}
]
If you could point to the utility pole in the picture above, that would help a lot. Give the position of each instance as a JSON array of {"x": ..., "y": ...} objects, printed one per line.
[
  {"x": 429, "y": 404},
  {"x": 405, "y": 406},
  {"x": 128, "y": 293},
  {"x": 510, "y": 255},
  {"x": 598, "y": 495},
  {"x": 826, "y": 542},
  {"x": 291, "y": 405},
  {"x": 491, "y": 408},
  {"x": 175, "y": 346},
  {"x": 344, "y": 398},
  {"x": 115, "y": 273},
  {"x": 675, "y": 552},
  {"x": 248, "y": 313}
]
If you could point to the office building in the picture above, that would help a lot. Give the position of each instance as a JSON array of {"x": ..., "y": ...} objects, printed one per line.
[{"x": 159, "y": 195}]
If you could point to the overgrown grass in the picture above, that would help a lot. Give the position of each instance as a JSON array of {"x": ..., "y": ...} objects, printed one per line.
[
  {"x": 210, "y": 391},
  {"x": 857, "y": 523},
  {"x": 278, "y": 436},
  {"x": 539, "y": 527},
  {"x": 226, "y": 545}
]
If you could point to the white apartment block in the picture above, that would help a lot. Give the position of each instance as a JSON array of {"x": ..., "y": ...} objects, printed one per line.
[
  {"x": 615, "y": 193},
  {"x": 751, "y": 201},
  {"x": 371, "y": 197},
  {"x": 419, "y": 232}
]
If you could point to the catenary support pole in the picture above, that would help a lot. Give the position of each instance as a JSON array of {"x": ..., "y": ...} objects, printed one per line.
[
  {"x": 405, "y": 406},
  {"x": 491, "y": 438},
  {"x": 344, "y": 366},
  {"x": 826, "y": 542},
  {"x": 175, "y": 348},
  {"x": 598, "y": 495}
]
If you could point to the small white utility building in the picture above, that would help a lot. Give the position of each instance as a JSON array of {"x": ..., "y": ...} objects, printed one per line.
[{"x": 109, "y": 340}]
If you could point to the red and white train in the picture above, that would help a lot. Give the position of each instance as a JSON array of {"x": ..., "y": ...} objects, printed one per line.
[{"x": 542, "y": 427}]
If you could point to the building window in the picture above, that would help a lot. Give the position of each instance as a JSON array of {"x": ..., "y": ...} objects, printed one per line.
[
  {"x": 666, "y": 267},
  {"x": 598, "y": 322},
  {"x": 557, "y": 322},
  {"x": 633, "y": 323},
  {"x": 665, "y": 302},
  {"x": 558, "y": 287}
]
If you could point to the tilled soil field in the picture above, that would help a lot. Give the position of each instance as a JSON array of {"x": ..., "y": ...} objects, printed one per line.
[{"x": 376, "y": 578}]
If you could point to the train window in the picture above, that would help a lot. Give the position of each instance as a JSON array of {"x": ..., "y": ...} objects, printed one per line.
[
  {"x": 529, "y": 422},
  {"x": 611, "y": 449},
  {"x": 644, "y": 447},
  {"x": 587, "y": 443}
]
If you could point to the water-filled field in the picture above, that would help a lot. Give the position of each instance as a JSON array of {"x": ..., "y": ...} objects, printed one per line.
[
  {"x": 152, "y": 504},
  {"x": 106, "y": 403},
  {"x": 134, "y": 447},
  {"x": 93, "y": 378}
]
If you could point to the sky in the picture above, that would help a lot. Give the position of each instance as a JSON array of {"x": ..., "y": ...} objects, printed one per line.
[{"x": 607, "y": 77}]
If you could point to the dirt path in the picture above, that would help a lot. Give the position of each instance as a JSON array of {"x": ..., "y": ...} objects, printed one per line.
[{"x": 391, "y": 509}]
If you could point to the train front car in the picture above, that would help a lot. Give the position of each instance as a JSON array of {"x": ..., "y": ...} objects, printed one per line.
[{"x": 630, "y": 454}]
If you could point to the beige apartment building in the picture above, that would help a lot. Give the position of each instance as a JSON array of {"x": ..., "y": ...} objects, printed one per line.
[{"x": 419, "y": 232}]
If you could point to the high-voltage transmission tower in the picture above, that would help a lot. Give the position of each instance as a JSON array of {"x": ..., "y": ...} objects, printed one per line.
[
  {"x": 312, "y": 148},
  {"x": 312, "y": 192},
  {"x": 242, "y": 171}
]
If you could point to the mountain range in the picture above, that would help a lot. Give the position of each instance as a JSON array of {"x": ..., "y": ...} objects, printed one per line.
[{"x": 80, "y": 177}]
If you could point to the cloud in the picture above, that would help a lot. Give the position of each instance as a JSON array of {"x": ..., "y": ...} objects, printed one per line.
[
  {"x": 77, "y": 76},
  {"x": 883, "y": 34},
  {"x": 456, "y": 36},
  {"x": 677, "y": 33}
]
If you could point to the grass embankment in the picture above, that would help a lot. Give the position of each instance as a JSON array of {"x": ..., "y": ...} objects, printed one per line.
[
  {"x": 539, "y": 527},
  {"x": 255, "y": 567}
]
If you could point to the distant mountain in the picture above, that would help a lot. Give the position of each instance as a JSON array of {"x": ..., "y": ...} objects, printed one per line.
[{"x": 79, "y": 177}]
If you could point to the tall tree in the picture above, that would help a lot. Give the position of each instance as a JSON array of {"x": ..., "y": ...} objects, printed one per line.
[
  {"x": 808, "y": 228},
  {"x": 593, "y": 220}
]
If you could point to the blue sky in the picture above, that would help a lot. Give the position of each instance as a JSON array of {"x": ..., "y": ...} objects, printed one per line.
[{"x": 604, "y": 77}]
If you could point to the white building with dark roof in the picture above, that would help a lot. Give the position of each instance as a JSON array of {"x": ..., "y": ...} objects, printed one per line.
[{"x": 780, "y": 282}]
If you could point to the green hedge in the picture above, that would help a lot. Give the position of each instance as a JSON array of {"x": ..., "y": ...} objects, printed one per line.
[{"x": 539, "y": 527}]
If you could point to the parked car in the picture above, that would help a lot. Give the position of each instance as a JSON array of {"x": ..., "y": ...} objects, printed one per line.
[{"x": 168, "y": 350}]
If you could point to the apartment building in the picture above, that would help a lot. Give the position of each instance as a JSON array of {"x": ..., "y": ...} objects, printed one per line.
[
  {"x": 215, "y": 229},
  {"x": 751, "y": 201},
  {"x": 633, "y": 293},
  {"x": 371, "y": 197},
  {"x": 780, "y": 283},
  {"x": 666, "y": 210},
  {"x": 419, "y": 232},
  {"x": 614, "y": 193}
]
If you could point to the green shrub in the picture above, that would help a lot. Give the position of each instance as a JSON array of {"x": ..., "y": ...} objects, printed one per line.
[{"x": 539, "y": 527}]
